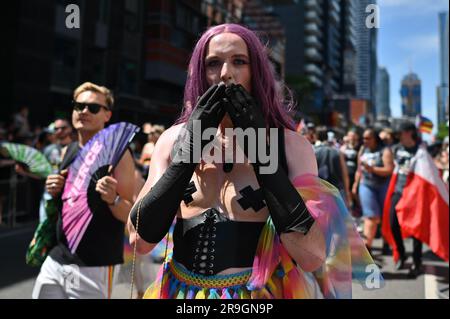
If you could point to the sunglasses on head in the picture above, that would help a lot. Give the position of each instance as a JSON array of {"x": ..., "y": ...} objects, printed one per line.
[{"x": 93, "y": 108}]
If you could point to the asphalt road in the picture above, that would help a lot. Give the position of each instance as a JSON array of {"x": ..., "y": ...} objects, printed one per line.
[{"x": 17, "y": 279}]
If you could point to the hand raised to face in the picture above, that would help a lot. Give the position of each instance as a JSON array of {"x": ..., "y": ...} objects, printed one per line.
[
  {"x": 209, "y": 109},
  {"x": 243, "y": 108},
  {"x": 207, "y": 114}
]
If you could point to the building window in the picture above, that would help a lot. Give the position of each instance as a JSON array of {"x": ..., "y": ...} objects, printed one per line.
[
  {"x": 131, "y": 16},
  {"x": 132, "y": 6},
  {"x": 103, "y": 11},
  {"x": 195, "y": 25},
  {"x": 178, "y": 39},
  {"x": 64, "y": 63},
  {"x": 186, "y": 19},
  {"x": 181, "y": 16},
  {"x": 128, "y": 77},
  {"x": 65, "y": 3},
  {"x": 131, "y": 22},
  {"x": 97, "y": 58}
]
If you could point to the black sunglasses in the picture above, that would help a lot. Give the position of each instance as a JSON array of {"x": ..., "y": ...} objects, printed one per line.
[{"x": 94, "y": 108}]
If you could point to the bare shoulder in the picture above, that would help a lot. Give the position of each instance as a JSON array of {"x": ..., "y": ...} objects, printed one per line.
[
  {"x": 171, "y": 133},
  {"x": 167, "y": 140},
  {"x": 161, "y": 155},
  {"x": 300, "y": 154},
  {"x": 387, "y": 151},
  {"x": 295, "y": 139}
]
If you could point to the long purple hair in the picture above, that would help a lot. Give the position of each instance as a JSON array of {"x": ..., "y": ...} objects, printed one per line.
[{"x": 265, "y": 88}]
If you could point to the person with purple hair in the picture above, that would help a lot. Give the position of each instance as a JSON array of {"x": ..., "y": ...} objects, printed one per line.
[{"x": 242, "y": 231}]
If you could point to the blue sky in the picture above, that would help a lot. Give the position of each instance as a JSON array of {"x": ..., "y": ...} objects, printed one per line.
[{"x": 408, "y": 35}]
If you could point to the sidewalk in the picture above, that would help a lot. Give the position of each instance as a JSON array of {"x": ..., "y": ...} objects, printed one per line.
[{"x": 13, "y": 246}]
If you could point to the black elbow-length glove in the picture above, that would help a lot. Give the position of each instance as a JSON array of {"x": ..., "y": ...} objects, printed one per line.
[
  {"x": 158, "y": 207},
  {"x": 286, "y": 206}
]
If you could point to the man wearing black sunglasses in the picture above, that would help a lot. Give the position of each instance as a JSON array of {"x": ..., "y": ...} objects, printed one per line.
[
  {"x": 93, "y": 108},
  {"x": 91, "y": 111},
  {"x": 92, "y": 265}
]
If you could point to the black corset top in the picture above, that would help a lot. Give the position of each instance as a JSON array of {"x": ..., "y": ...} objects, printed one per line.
[{"x": 210, "y": 242}]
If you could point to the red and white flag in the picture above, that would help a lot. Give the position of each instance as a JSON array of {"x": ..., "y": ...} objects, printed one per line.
[{"x": 423, "y": 210}]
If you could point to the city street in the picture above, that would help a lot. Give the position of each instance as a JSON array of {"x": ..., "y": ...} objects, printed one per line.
[
  {"x": 17, "y": 278},
  {"x": 251, "y": 123}
]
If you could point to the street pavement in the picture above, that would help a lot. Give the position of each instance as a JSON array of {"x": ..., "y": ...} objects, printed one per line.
[{"x": 17, "y": 279}]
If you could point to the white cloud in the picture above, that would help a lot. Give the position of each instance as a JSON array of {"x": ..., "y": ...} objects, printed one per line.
[
  {"x": 420, "y": 44},
  {"x": 423, "y": 5},
  {"x": 393, "y": 3},
  {"x": 410, "y": 8}
]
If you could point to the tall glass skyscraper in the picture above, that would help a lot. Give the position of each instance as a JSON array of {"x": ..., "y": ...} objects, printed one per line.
[
  {"x": 349, "y": 19},
  {"x": 321, "y": 45},
  {"x": 383, "y": 105},
  {"x": 367, "y": 66},
  {"x": 442, "y": 89}
]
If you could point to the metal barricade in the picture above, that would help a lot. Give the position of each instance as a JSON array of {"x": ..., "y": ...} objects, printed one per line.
[{"x": 18, "y": 189}]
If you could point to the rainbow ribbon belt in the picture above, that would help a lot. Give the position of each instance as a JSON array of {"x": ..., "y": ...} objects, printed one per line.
[{"x": 210, "y": 282}]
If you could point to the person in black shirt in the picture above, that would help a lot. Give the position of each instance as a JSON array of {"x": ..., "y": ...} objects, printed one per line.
[
  {"x": 350, "y": 150},
  {"x": 88, "y": 272},
  {"x": 403, "y": 153},
  {"x": 331, "y": 165}
]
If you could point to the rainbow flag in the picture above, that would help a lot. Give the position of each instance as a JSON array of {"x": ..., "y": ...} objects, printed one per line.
[{"x": 424, "y": 124}]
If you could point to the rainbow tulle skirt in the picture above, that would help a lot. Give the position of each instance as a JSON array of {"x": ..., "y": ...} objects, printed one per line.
[{"x": 179, "y": 283}]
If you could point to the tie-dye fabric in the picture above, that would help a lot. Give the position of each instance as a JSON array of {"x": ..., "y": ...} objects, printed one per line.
[{"x": 274, "y": 274}]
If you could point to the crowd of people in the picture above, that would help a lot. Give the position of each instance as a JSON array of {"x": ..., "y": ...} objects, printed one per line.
[
  {"x": 361, "y": 164},
  {"x": 51, "y": 140},
  {"x": 236, "y": 232}
]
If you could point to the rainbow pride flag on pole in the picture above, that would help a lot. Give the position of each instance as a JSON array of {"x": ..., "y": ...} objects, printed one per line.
[{"x": 424, "y": 124}]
